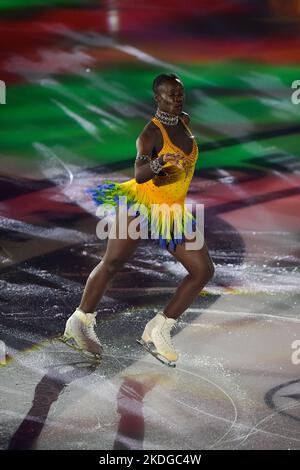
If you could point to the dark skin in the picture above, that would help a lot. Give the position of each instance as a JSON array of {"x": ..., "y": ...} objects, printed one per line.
[
  {"x": 150, "y": 141},
  {"x": 198, "y": 263}
]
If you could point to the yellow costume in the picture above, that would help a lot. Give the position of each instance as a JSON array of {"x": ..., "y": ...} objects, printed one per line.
[{"x": 161, "y": 199}]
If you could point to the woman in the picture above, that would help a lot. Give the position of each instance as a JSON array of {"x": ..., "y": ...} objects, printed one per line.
[{"x": 164, "y": 166}]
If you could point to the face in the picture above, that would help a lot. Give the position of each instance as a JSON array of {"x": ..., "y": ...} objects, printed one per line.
[{"x": 171, "y": 97}]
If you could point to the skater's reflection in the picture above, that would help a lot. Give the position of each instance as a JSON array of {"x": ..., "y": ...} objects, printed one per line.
[
  {"x": 131, "y": 429},
  {"x": 46, "y": 393}
]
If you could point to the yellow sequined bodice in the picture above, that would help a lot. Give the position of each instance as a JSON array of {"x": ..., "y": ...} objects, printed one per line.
[
  {"x": 172, "y": 187},
  {"x": 160, "y": 200}
]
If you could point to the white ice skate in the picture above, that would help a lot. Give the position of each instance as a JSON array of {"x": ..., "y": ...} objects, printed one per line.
[
  {"x": 157, "y": 331},
  {"x": 80, "y": 334}
]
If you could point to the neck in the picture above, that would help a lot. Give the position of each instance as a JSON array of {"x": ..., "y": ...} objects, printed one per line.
[{"x": 166, "y": 118}]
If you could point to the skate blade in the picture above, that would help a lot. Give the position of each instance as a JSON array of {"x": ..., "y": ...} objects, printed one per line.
[
  {"x": 96, "y": 358},
  {"x": 155, "y": 354}
]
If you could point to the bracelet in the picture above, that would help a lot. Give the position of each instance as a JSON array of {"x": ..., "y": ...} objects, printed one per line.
[
  {"x": 143, "y": 157},
  {"x": 155, "y": 166}
]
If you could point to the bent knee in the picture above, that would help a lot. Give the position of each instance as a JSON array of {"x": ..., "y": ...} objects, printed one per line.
[
  {"x": 204, "y": 274},
  {"x": 211, "y": 270},
  {"x": 112, "y": 266}
]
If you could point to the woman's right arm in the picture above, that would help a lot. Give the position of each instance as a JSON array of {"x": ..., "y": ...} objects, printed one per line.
[{"x": 145, "y": 144}]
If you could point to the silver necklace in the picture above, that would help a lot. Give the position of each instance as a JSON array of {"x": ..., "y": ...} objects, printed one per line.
[{"x": 166, "y": 118}]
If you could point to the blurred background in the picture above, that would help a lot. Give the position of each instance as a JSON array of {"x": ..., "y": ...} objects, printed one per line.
[{"x": 78, "y": 78}]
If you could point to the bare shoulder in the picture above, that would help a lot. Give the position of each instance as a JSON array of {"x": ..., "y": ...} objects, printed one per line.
[
  {"x": 147, "y": 138},
  {"x": 150, "y": 128},
  {"x": 148, "y": 133},
  {"x": 185, "y": 117}
]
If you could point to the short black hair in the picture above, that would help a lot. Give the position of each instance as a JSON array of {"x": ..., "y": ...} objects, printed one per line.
[{"x": 160, "y": 79}]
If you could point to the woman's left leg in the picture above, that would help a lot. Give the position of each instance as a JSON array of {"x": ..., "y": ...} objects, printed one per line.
[{"x": 200, "y": 269}]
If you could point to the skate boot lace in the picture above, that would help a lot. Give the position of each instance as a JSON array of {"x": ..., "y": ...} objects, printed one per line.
[
  {"x": 165, "y": 333},
  {"x": 90, "y": 331}
]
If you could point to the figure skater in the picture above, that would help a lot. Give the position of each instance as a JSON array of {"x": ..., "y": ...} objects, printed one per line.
[{"x": 166, "y": 156}]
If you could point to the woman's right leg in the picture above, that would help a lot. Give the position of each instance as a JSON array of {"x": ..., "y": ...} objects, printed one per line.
[{"x": 118, "y": 251}]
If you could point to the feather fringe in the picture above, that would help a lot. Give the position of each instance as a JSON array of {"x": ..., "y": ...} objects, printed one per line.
[{"x": 167, "y": 222}]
